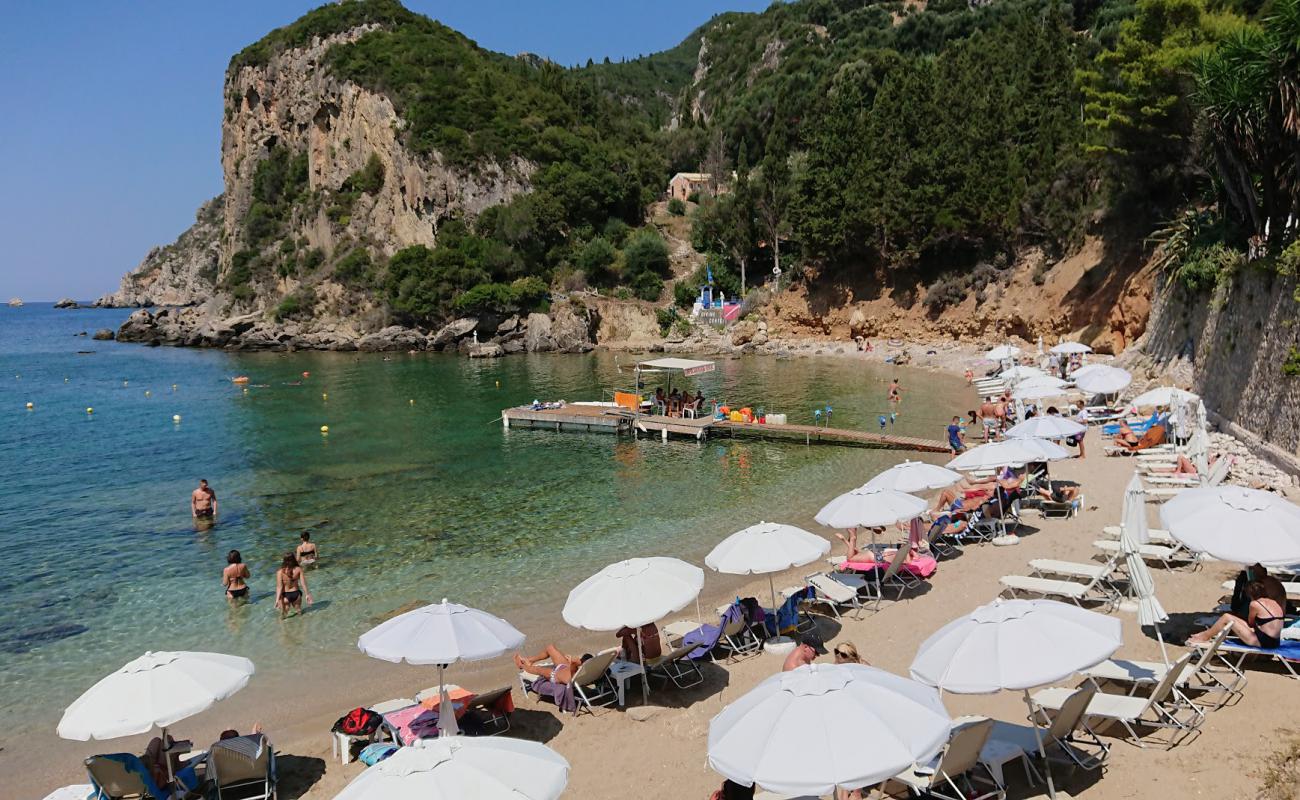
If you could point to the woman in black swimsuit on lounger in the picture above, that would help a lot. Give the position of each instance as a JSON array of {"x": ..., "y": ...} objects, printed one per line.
[
  {"x": 290, "y": 586},
  {"x": 233, "y": 577},
  {"x": 1262, "y": 628}
]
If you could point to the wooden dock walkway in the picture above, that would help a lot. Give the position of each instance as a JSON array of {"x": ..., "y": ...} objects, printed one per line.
[{"x": 607, "y": 419}]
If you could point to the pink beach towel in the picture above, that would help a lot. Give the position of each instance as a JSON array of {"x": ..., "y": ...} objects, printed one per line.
[{"x": 920, "y": 566}]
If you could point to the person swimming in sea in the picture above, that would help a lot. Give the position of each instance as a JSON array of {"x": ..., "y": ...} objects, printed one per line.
[
  {"x": 306, "y": 552},
  {"x": 203, "y": 501},
  {"x": 235, "y": 576},
  {"x": 895, "y": 392}
]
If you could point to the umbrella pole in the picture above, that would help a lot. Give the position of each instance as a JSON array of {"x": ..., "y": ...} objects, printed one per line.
[
  {"x": 167, "y": 756},
  {"x": 776, "y": 616},
  {"x": 446, "y": 722},
  {"x": 645, "y": 679},
  {"x": 880, "y": 593},
  {"x": 1160, "y": 638},
  {"x": 1038, "y": 737}
]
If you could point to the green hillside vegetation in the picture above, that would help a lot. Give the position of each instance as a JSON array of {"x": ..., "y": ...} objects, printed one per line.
[{"x": 869, "y": 139}]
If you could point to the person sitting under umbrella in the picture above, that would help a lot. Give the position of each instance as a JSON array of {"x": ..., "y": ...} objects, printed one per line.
[
  {"x": 647, "y": 644},
  {"x": 1261, "y": 628},
  {"x": 810, "y": 646}
]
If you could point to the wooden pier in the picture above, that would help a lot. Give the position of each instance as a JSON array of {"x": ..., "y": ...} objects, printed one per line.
[{"x": 609, "y": 419}]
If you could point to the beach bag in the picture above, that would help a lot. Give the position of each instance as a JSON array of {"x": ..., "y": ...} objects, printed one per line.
[
  {"x": 372, "y": 754},
  {"x": 358, "y": 722}
]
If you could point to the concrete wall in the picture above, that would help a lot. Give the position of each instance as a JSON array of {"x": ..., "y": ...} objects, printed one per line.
[{"x": 1232, "y": 345}]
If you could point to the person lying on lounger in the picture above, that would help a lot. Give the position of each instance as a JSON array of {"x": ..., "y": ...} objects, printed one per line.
[
  {"x": 561, "y": 669},
  {"x": 1184, "y": 466},
  {"x": 852, "y": 555},
  {"x": 1056, "y": 492},
  {"x": 1261, "y": 628},
  {"x": 1126, "y": 437}
]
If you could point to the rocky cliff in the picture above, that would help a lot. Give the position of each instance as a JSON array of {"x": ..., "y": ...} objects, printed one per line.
[{"x": 182, "y": 273}]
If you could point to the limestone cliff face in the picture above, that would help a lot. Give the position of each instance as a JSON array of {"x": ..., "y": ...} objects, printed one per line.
[
  {"x": 293, "y": 101},
  {"x": 180, "y": 274}
]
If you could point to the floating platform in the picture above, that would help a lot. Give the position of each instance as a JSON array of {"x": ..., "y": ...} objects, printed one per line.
[{"x": 612, "y": 419}]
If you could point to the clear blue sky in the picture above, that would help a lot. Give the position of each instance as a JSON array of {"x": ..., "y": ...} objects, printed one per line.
[{"x": 111, "y": 124}]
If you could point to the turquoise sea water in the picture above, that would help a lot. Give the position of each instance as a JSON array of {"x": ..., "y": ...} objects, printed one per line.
[{"x": 408, "y": 501}]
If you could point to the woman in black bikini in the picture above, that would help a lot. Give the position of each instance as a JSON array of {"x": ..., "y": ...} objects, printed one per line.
[
  {"x": 1262, "y": 628},
  {"x": 233, "y": 577},
  {"x": 290, "y": 586}
]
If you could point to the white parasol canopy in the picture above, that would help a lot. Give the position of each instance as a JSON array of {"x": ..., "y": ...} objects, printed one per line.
[
  {"x": 442, "y": 634},
  {"x": 764, "y": 548},
  {"x": 1071, "y": 348},
  {"x": 822, "y": 726},
  {"x": 1016, "y": 645},
  {"x": 912, "y": 477},
  {"x": 1006, "y": 453},
  {"x": 1163, "y": 396},
  {"x": 1087, "y": 369},
  {"x": 1045, "y": 450},
  {"x": 1103, "y": 380},
  {"x": 1236, "y": 524},
  {"x": 1041, "y": 381},
  {"x": 483, "y": 768},
  {"x": 1021, "y": 373},
  {"x": 870, "y": 508},
  {"x": 633, "y": 593},
  {"x": 1038, "y": 392},
  {"x": 155, "y": 690},
  {"x": 1046, "y": 426},
  {"x": 1002, "y": 352}
]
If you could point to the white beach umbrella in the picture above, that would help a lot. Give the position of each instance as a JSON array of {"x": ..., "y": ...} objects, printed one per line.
[
  {"x": 1046, "y": 426},
  {"x": 1163, "y": 396},
  {"x": 1087, "y": 369},
  {"x": 1103, "y": 380},
  {"x": 1236, "y": 524},
  {"x": 1041, "y": 381},
  {"x": 823, "y": 726},
  {"x": 633, "y": 593},
  {"x": 441, "y": 634},
  {"x": 1071, "y": 348},
  {"x": 1142, "y": 586},
  {"x": 1039, "y": 392},
  {"x": 913, "y": 477},
  {"x": 870, "y": 508},
  {"x": 766, "y": 548},
  {"x": 1006, "y": 453},
  {"x": 155, "y": 690},
  {"x": 1020, "y": 373},
  {"x": 1002, "y": 352},
  {"x": 1015, "y": 645},
  {"x": 482, "y": 768}
]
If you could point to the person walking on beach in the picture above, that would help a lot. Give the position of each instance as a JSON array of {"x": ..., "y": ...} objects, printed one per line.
[
  {"x": 956, "y": 438},
  {"x": 290, "y": 586},
  {"x": 989, "y": 415},
  {"x": 234, "y": 577},
  {"x": 306, "y": 552},
  {"x": 203, "y": 501}
]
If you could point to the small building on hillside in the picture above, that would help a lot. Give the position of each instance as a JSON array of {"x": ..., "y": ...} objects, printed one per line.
[{"x": 685, "y": 184}]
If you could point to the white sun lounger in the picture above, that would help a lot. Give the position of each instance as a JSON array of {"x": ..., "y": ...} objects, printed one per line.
[
  {"x": 1201, "y": 675},
  {"x": 1155, "y": 535},
  {"x": 1090, "y": 571},
  {"x": 1159, "y": 710},
  {"x": 1292, "y": 588},
  {"x": 1016, "y": 585},
  {"x": 836, "y": 593},
  {"x": 1170, "y": 557}
]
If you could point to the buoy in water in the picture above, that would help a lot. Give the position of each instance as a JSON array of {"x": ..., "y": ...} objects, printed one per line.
[
  {"x": 148, "y": 393},
  {"x": 173, "y": 387},
  {"x": 324, "y": 429},
  {"x": 124, "y": 383},
  {"x": 306, "y": 374},
  {"x": 412, "y": 402},
  {"x": 33, "y": 405},
  {"x": 498, "y": 384},
  {"x": 90, "y": 410},
  {"x": 65, "y": 380},
  {"x": 324, "y": 395},
  {"x": 176, "y": 418}
]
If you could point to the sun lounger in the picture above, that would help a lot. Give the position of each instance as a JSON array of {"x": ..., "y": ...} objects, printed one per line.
[
  {"x": 122, "y": 775},
  {"x": 1078, "y": 593},
  {"x": 1159, "y": 710},
  {"x": 1292, "y": 588},
  {"x": 676, "y": 666},
  {"x": 1169, "y": 557},
  {"x": 1201, "y": 674},
  {"x": 1155, "y": 535},
  {"x": 1091, "y": 571},
  {"x": 1215, "y": 477},
  {"x": 1067, "y": 731},
  {"x": 493, "y": 707},
  {"x": 1153, "y": 437},
  {"x": 732, "y": 634},
  {"x": 1287, "y": 654},
  {"x": 242, "y": 767},
  {"x": 955, "y": 773},
  {"x": 590, "y": 687},
  {"x": 1066, "y": 509}
]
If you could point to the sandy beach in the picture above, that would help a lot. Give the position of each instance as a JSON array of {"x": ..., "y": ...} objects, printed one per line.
[{"x": 660, "y": 749}]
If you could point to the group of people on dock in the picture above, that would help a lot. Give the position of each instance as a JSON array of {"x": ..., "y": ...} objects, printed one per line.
[{"x": 676, "y": 403}]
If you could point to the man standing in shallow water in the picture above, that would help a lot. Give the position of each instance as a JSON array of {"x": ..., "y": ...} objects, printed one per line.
[{"x": 203, "y": 501}]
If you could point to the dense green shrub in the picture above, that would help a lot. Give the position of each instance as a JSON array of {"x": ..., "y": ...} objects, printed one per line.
[
  {"x": 666, "y": 317},
  {"x": 367, "y": 180},
  {"x": 676, "y": 207},
  {"x": 355, "y": 268},
  {"x": 596, "y": 259},
  {"x": 646, "y": 252},
  {"x": 1291, "y": 365}
]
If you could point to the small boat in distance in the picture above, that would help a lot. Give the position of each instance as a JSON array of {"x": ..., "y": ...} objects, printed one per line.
[
  {"x": 16, "y": 302},
  {"x": 239, "y": 379}
]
